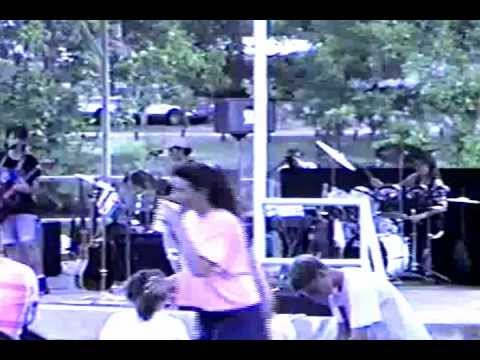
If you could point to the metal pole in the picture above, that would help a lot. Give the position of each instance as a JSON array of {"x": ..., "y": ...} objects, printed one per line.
[
  {"x": 106, "y": 155},
  {"x": 106, "y": 152},
  {"x": 260, "y": 134}
]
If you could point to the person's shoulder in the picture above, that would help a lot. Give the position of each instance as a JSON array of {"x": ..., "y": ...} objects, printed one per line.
[
  {"x": 121, "y": 318},
  {"x": 23, "y": 273},
  {"x": 225, "y": 216},
  {"x": 15, "y": 266},
  {"x": 177, "y": 329}
]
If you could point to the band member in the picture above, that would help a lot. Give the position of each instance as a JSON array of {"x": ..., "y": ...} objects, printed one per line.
[
  {"x": 220, "y": 278},
  {"x": 367, "y": 306},
  {"x": 428, "y": 203},
  {"x": 20, "y": 229},
  {"x": 294, "y": 160}
]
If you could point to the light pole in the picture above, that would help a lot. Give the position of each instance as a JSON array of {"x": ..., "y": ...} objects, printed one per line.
[
  {"x": 106, "y": 151},
  {"x": 260, "y": 133},
  {"x": 106, "y": 154}
]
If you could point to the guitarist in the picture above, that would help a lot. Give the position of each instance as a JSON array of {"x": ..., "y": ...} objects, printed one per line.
[{"x": 20, "y": 225}]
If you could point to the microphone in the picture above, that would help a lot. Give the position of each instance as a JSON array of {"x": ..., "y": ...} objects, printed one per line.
[{"x": 156, "y": 152}]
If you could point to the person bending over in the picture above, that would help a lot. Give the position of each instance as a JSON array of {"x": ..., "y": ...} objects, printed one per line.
[
  {"x": 367, "y": 306},
  {"x": 148, "y": 290}
]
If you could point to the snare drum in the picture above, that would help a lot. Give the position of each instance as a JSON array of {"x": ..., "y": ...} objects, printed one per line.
[{"x": 394, "y": 252}]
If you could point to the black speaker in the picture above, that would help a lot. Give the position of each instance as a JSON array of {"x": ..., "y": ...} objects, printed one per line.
[
  {"x": 235, "y": 116},
  {"x": 51, "y": 248},
  {"x": 148, "y": 252}
]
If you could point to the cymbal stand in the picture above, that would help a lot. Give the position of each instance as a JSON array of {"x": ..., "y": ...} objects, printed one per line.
[
  {"x": 413, "y": 266},
  {"x": 427, "y": 262},
  {"x": 128, "y": 246},
  {"x": 104, "y": 294}
]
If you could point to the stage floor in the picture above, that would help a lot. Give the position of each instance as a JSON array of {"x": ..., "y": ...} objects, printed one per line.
[{"x": 450, "y": 312}]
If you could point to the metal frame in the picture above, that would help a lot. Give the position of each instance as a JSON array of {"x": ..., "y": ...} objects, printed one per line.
[
  {"x": 260, "y": 161},
  {"x": 368, "y": 236}
]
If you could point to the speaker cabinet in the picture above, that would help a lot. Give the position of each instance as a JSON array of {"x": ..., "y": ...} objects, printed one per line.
[
  {"x": 148, "y": 252},
  {"x": 235, "y": 116},
  {"x": 51, "y": 232}
]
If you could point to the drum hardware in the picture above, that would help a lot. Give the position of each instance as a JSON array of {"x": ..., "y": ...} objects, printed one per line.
[
  {"x": 463, "y": 200},
  {"x": 105, "y": 204},
  {"x": 395, "y": 254},
  {"x": 427, "y": 257}
]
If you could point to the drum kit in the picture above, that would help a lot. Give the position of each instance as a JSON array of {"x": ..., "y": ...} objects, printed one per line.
[{"x": 395, "y": 211}]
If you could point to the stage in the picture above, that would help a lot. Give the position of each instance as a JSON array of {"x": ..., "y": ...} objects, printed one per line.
[{"x": 450, "y": 312}]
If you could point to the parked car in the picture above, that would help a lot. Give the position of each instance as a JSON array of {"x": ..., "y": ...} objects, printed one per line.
[
  {"x": 165, "y": 114},
  {"x": 156, "y": 114},
  {"x": 161, "y": 114},
  {"x": 201, "y": 114},
  {"x": 91, "y": 108}
]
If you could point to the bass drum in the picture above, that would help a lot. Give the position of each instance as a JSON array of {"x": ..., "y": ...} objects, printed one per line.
[{"x": 395, "y": 253}]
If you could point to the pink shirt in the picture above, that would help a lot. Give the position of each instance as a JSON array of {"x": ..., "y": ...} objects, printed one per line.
[
  {"x": 219, "y": 237},
  {"x": 18, "y": 293}
]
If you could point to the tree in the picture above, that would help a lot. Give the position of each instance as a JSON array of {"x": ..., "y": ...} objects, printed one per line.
[{"x": 441, "y": 55}]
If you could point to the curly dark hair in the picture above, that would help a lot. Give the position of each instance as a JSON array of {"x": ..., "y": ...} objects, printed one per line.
[
  {"x": 433, "y": 171},
  {"x": 201, "y": 176},
  {"x": 147, "y": 290}
]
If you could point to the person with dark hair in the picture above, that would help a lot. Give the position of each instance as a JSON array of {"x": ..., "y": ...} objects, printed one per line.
[
  {"x": 220, "y": 278},
  {"x": 426, "y": 193},
  {"x": 294, "y": 159},
  {"x": 148, "y": 291},
  {"x": 367, "y": 306},
  {"x": 20, "y": 226}
]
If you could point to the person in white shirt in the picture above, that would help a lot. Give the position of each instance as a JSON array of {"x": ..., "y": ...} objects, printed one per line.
[
  {"x": 148, "y": 290},
  {"x": 367, "y": 306},
  {"x": 19, "y": 296}
]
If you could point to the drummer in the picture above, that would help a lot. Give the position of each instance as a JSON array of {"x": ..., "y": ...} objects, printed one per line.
[
  {"x": 435, "y": 205},
  {"x": 426, "y": 174}
]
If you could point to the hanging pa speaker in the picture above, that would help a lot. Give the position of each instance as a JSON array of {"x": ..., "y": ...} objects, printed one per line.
[{"x": 236, "y": 116}]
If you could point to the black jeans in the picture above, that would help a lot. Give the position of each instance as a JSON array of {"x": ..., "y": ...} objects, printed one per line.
[{"x": 240, "y": 324}]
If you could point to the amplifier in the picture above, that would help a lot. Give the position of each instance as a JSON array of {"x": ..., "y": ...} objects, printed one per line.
[
  {"x": 51, "y": 232},
  {"x": 148, "y": 252}
]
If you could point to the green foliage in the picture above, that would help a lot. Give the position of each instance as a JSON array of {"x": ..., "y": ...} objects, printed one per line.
[{"x": 173, "y": 61}]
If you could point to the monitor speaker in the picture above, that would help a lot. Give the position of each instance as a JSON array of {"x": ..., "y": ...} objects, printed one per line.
[{"x": 235, "y": 116}]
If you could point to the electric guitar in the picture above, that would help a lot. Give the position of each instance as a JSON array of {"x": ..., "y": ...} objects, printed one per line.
[{"x": 9, "y": 197}]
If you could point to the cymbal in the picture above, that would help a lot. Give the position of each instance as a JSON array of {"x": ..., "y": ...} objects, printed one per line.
[
  {"x": 463, "y": 200},
  {"x": 336, "y": 155}
]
